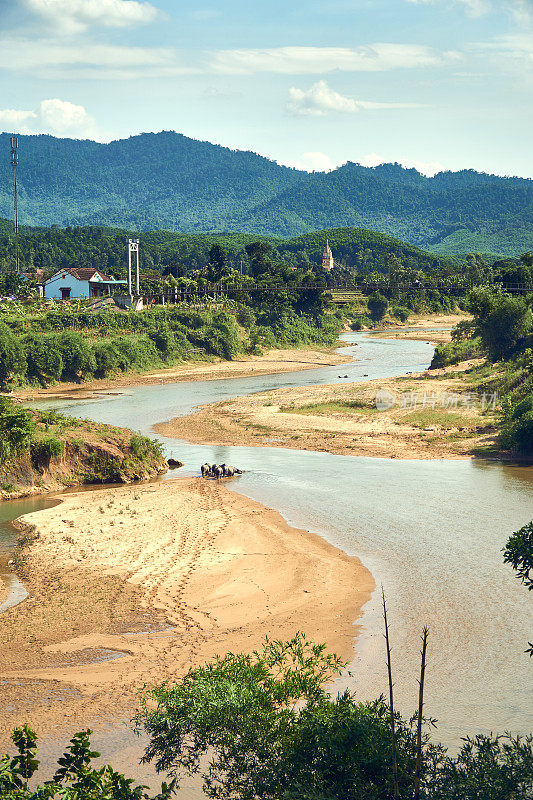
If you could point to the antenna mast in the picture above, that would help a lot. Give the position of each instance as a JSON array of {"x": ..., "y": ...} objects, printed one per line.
[{"x": 14, "y": 162}]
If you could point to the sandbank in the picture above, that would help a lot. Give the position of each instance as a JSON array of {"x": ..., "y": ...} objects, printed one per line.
[{"x": 133, "y": 585}]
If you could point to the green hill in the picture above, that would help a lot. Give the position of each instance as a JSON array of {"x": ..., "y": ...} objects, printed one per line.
[
  {"x": 105, "y": 248},
  {"x": 168, "y": 181}
]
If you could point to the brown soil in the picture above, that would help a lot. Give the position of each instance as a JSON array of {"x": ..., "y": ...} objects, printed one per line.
[{"x": 158, "y": 578}]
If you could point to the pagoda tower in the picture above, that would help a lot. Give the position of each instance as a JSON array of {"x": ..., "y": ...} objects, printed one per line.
[{"x": 327, "y": 258}]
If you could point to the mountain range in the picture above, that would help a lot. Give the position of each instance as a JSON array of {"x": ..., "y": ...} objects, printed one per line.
[{"x": 168, "y": 181}]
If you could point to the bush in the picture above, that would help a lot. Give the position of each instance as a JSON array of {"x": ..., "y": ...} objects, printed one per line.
[
  {"x": 108, "y": 359},
  {"x": 44, "y": 450},
  {"x": 12, "y": 358},
  {"x": 16, "y": 428},
  {"x": 517, "y": 428},
  {"x": 456, "y": 351},
  {"x": 502, "y": 322},
  {"x": 77, "y": 355},
  {"x": 377, "y": 306},
  {"x": 143, "y": 447},
  {"x": 164, "y": 340},
  {"x": 400, "y": 313},
  {"x": 75, "y": 777},
  {"x": 44, "y": 359}
]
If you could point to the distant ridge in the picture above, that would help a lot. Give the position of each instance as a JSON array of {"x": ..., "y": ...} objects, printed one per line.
[{"x": 168, "y": 181}]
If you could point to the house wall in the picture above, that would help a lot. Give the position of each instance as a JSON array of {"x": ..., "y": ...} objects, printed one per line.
[{"x": 53, "y": 287}]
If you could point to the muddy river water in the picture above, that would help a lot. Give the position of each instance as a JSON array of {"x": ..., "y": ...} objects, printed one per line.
[{"x": 430, "y": 531}]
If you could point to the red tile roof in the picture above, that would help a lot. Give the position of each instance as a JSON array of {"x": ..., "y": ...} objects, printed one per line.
[{"x": 84, "y": 273}]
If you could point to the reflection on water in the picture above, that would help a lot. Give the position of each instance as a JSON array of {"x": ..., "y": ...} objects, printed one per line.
[{"x": 430, "y": 531}]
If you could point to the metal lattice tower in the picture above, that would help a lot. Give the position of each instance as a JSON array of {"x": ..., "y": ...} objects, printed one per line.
[
  {"x": 133, "y": 247},
  {"x": 14, "y": 163}
]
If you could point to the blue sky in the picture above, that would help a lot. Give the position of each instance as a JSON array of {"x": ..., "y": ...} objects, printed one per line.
[{"x": 437, "y": 84}]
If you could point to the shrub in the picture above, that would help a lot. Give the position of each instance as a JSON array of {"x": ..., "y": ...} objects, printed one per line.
[
  {"x": 12, "y": 358},
  {"x": 164, "y": 340},
  {"x": 75, "y": 777},
  {"x": 455, "y": 351},
  {"x": 43, "y": 356},
  {"x": 107, "y": 358},
  {"x": 377, "y": 306},
  {"x": 502, "y": 322},
  {"x": 77, "y": 355},
  {"x": 401, "y": 313},
  {"x": 44, "y": 450},
  {"x": 16, "y": 428},
  {"x": 143, "y": 447}
]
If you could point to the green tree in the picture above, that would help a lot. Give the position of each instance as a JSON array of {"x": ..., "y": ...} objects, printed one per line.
[
  {"x": 44, "y": 358},
  {"x": 269, "y": 729},
  {"x": 377, "y": 306},
  {"x": 218, "y": 264},
  {"x": 502, "y": 322},
  {"x": 12, "y": 359},
  {"x": 75, "y": 778},
  {"x": 16, "y": 428},
  {"x": 78, "y": 358}
]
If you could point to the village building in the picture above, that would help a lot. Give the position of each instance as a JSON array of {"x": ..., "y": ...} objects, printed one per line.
[
  {"x": 79, "y": 283},
  {"x": 327, "y": 258}
]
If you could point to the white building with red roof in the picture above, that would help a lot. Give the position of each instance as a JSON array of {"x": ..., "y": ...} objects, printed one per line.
[{"x": 79, "y": 283}]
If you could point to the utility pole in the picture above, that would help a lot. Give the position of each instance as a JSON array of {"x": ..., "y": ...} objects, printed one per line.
[{"x": 14, "y": 162}]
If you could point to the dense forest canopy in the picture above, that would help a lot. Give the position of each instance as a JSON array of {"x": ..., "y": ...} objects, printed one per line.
[
  {"x": 106, "y": 249},
  {"x": 168, "y": 181}
]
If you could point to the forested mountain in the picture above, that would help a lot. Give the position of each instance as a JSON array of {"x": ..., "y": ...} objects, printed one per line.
[
  {"x": 104, "y": 248},
  {"x": 168, "y": 181}
]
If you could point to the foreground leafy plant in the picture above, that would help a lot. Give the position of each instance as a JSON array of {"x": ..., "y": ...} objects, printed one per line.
[
  {"x": 263, "y": 726},
  {"x": 75, "y": 778}
]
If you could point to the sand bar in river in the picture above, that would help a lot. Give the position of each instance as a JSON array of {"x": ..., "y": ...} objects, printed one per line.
[{"x": 132, "y": 585}]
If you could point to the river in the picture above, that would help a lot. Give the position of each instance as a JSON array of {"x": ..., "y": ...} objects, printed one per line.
[{"x": 430, "y": 531}]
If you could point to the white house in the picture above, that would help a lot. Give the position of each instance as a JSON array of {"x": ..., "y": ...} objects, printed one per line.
[{"x": 80, "y": 282}]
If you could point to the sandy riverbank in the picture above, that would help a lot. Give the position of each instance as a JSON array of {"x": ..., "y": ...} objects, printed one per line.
[
  {"x": 267, "y": 364},
  {"x": 432, "y": 416},
  {"x": 440, "y": 324},
  {"x": 158, "y": 577}
]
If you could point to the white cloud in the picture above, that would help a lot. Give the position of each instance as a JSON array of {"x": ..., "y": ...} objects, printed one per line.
[
  {"x": 304, "y": 60},
  {"x": 15, "y": 121},
  {"x": 522, "y": 12},
  {"x": 75, "y": 16},
  {"x": 514, "y": 53},
  {"x": 312, "y": 162},
  {"x": 320, "y": 100},
  {"x": 55, "y": 116},
  {"x": 51, "y": 59}
]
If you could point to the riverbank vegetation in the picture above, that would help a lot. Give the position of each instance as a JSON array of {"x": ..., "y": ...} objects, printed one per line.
[
  {"x": 264, "y": 725},
  {"x": 43, "y": 450},
  {"x": 501, "y": 332}
]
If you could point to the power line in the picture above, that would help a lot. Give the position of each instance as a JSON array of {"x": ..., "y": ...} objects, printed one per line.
[{"x": 14, "y": 163}]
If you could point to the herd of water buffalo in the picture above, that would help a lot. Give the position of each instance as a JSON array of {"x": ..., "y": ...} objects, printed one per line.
[{"x": 219, "y": 471}]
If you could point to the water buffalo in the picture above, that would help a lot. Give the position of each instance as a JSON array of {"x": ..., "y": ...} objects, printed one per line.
[
  {"x": 205, "y": 469},
  {"x": 217, "y": 471}
]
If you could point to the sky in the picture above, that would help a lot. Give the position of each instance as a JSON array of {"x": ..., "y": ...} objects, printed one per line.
[{"x": 434, "y": 84}]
